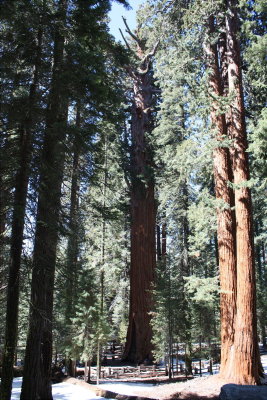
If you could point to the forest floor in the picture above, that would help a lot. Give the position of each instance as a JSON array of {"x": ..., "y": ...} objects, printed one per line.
[{"x": 203, "y": 388}]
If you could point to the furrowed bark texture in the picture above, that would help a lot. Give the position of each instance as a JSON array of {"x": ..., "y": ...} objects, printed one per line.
[
  {"x": 240, "y": 361},
  {"x": 143, "y": 222},
  {"x": 226, "y": 229},
  {"x": 38, "y": 359},
  {"x": 20, "y": 196},
  {"x": 246, "y": 361}
]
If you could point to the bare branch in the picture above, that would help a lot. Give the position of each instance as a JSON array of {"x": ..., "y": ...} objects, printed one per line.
[
  {"x": 148, "y": 56},
  {"x": 152, "y": 53},
  {"x": 128, "y": 30},
  {"x": 143, "y": 71},
  {"x": 127, "y": 44}
]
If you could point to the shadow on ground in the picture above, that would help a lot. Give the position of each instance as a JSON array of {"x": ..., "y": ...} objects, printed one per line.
[{"x": 192, "y": 396}]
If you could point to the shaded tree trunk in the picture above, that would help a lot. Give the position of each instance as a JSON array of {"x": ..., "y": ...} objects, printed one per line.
[
  {"x": 261, "y": 280},
  {"x": 3, "y": 226},
  {"x": 158, "y": 235},
  {"x": 38, "y": 359},
  {"x": 103, "y": 256},
  {"x": 186, "y": 272},
  {"x": 19, "y": 207},
  {"x": 73, "y": 244},
  {"x": 164, "y": 240},
  {"x": 143, "y": 215}
]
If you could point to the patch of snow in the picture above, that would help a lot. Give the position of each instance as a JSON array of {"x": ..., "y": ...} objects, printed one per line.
[{"x": 61, "y": 391}]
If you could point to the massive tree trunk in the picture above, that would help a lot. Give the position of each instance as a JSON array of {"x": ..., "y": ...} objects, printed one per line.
[
  {"x": 20, "y": 196},
  {"x": 38, "y": 359},
  {"x": 225, "y": 213},
  {"x": 240, "y": 361},
  {"x": 246, "y": 361},
  {"x": 138, "y": 344},
  {"x": 143, "y": 216}
]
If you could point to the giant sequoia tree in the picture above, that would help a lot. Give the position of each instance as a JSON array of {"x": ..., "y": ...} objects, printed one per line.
[
  {"x": 226, "y": 229},
  {"x": 240, "y": 356},
  {"x": 143, "y": 209},
  {"x": 246, "y": 363}
]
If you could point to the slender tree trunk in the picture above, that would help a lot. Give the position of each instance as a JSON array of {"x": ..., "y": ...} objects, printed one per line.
[
  {"x": 19, "y": 207},
  {"x": 164, "y": 240},
  {"x": 158, "y": 234},
  {"x": 261, "y": 282},
  {"x": 38, "y": 359},
  {"x": 73, "y": 245},
  {"x": 3, "y": 227},
  {"x": 102, "y": 272},
  {"x": 143, "y": 219},
  {"x": 185, "y": 271},
  {"x": 246, "y": 364},
  {"x": 225, "y": 213}
]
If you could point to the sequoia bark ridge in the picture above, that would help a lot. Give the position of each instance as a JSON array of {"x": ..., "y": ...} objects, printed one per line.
[{"x": 143, "y": 211}]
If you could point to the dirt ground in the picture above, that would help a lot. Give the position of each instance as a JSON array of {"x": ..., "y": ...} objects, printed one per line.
[
  {"x": 204, "y": 388},
  {"x": 196, "y": 389}
]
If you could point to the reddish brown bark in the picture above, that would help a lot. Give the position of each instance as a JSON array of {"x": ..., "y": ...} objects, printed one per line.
[
  {"x": 138, "y": 344},
  {"x": 225, "y": 215},
  {"x": 240, "y": 361},
  {"x": 143, "y": 217},
  {"x": 246, "y": 361}
]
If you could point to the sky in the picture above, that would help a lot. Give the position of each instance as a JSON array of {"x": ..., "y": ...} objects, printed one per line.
[{"x": 116, "y": 14}]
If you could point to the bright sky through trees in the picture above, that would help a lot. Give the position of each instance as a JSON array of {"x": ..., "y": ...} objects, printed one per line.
[{"x": 116, "y": 14}]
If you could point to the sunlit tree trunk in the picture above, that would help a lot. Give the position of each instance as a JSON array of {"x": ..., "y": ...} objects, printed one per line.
[
  {"x": 246, "y": 360},
  {"x": 225, "y": 213}
]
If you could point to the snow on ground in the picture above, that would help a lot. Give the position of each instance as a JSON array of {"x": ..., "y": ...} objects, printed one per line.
[{"x": 61, "y": 391}]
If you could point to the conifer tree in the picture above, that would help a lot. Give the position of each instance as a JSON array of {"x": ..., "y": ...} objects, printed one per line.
[
  {"x": 21, "y": 184},
  {"x": 143, "y": 209},
  {"x": 24, "y": 125},
  {"x": 38, "y": 358}
]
